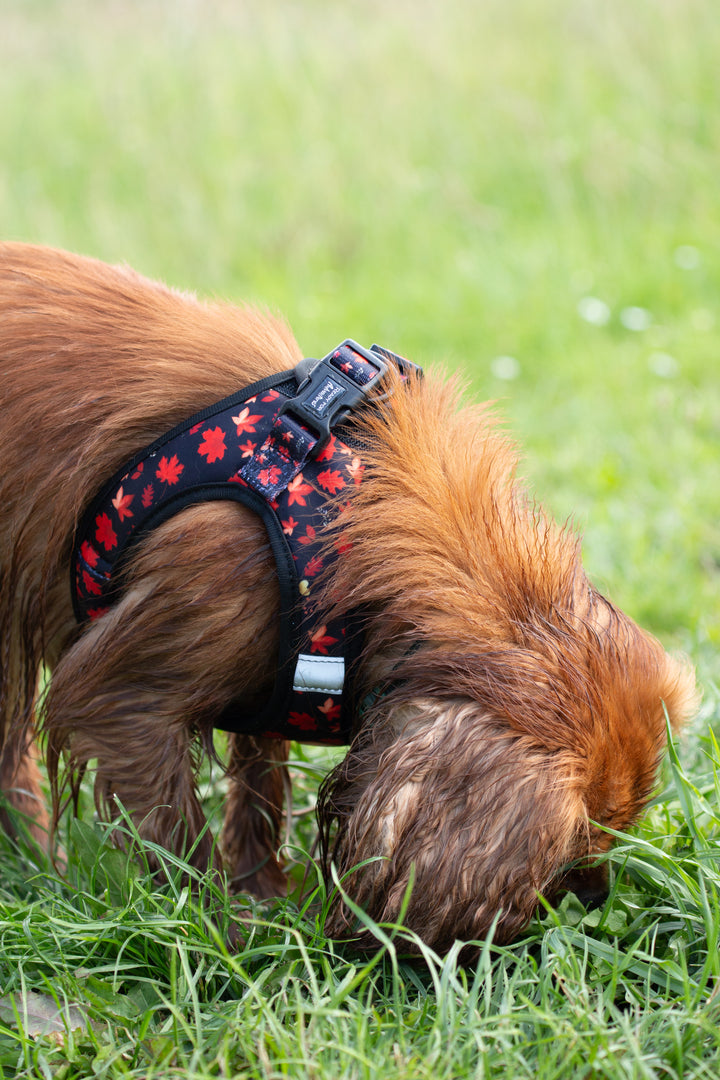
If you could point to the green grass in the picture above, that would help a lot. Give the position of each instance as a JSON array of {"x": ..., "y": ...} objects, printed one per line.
[
  {"x": 453, "y": 180},
  {"x": 626, "y": 991}
]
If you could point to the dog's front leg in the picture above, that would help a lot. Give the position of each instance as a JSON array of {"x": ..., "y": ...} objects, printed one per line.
[
  {"x": 20, "y": 785},
  {"x": 21, "y": 796},
  {"x": 139, "y": 691},
  {"x": 253, "y": 815},
  {"x": 124, "y": 698}
]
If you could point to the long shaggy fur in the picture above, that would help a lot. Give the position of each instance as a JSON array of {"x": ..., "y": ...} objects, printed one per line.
[{"x": 514, "y": 712}]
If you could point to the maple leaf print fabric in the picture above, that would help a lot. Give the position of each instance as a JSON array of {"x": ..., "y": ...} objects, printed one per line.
[{"x": 245, "y": 447}]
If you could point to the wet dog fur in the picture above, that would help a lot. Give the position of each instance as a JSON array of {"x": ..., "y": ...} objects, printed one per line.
[{"x": 524, "y": 715}]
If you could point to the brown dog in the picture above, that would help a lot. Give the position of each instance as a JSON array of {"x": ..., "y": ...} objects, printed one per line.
[{"x": 509, "y": 712}]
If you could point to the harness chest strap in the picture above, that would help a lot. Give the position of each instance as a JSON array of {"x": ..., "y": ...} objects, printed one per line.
[{"x": 276, "y": 448}]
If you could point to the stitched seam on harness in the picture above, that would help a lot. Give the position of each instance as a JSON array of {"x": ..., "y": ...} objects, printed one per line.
[{"x": 314, "y": 689}]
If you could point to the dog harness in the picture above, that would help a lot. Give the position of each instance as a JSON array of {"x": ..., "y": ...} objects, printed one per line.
[{"x": 275, "y": 447}]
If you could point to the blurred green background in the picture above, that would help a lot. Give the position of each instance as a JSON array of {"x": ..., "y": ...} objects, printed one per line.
[{"x": 523, "y": 191}]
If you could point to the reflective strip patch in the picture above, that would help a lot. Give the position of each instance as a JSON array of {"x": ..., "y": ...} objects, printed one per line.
[{"x": 323, "y": 674}]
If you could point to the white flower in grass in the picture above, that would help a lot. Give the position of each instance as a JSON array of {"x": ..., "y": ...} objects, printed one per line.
[
  {"x": 686, "y": 257},
  {"x": 663, "y": 365},
  {"x": 505, "y": 367},
  {"x": 594, "y": 310},
  {"x": 636, "y": 318}
]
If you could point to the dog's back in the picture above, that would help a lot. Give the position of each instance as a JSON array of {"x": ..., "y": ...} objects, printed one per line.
[{"x": 95, "y": 362}]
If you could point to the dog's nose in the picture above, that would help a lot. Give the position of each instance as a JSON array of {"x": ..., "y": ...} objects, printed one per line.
[
  {"x": 590, "y": 885},
  {"x": 591, "y": 898}
]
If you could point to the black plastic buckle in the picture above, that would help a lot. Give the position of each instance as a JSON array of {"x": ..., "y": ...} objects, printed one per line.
[
  {"x": 404, "y": 366},
  {"x": 325, "y": 394}
]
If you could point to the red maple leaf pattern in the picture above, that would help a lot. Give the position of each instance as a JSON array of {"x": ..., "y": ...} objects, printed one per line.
[
  {"x": 320, "y": 641},
  {"x": 314, "y": 566},
  {"x": 289, "y": 525},
  {"x": 328, "y": 450},
  {"x": 303, "y": 721},
  {"x": 138, "y": 471},
  {"x": 147, "y": 496},
  {"x": 342, "y": 544},
  {"x": 356, "y": 470},
  {"x": 297, "y": 490},
  {"x": 169, "y": 471},
  {"x": 269, "y": 476},
  {"x": 213, "y": 445},
  {"x": 309, "y": 537},
  {"x": 248, "y": 448},
  {"x": 89, "y": 553},
  {"x": 330, "y": 480},
  {"x": 90, "y": 584},
  {"x": 121, "y": 502},
  {"x": 330, "y": 710},
  {"x": 104, "y": 532},
  {"x": 246, "y": 421}
]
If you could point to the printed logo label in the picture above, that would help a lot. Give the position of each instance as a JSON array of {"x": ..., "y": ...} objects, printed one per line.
[{"x": 325, "y": 395}]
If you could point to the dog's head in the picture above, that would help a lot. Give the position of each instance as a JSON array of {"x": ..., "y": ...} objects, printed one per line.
[
  {"x": 527, "y": 719},
  {"x": 486, "y": 804}
]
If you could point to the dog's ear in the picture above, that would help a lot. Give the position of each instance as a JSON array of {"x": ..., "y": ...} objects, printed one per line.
[
  {"x": 681, "y": 696},
  {"x": 481, "y": 820}
]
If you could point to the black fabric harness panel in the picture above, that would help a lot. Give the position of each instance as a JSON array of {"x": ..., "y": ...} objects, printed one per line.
[{"x": 277, "y": 448}]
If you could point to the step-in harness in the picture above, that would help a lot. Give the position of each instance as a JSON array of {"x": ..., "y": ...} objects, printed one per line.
[{"x": 275, "y": 447}]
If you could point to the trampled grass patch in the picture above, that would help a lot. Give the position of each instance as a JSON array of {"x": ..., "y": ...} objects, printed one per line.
[{"x": 526, "y": 193}]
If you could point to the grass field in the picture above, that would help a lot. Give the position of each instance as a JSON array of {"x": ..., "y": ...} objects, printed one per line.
[{"x": 525, "y": 192}]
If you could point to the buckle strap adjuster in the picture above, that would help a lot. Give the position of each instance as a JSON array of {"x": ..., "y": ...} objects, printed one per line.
[{"x": 329, "y": 388}]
